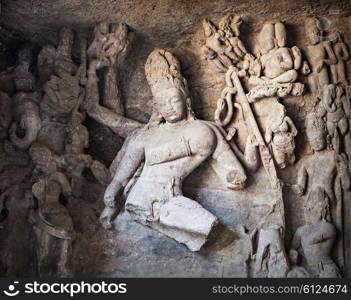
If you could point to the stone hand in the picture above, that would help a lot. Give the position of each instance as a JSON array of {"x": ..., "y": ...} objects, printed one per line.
[
  {"x": 110, "y": 194},
  {"x": 296, "y": 189},
  {"x": 106, "y": 217},
  {"x": 305, "y": 68},
  {"x": 235, "y": 180},
  {"x": 109, "y": 200}
]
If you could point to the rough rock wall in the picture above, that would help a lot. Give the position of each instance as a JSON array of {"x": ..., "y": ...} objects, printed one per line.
[{"x": 133, "y": 249}]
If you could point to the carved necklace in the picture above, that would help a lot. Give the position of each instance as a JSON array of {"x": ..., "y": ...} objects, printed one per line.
[{"x": 174, "y": 126}]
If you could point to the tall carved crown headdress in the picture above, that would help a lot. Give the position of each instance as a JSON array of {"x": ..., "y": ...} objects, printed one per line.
[{"x": 163, "y": 71}]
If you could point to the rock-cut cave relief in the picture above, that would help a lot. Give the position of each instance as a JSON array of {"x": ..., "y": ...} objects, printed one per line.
[{"x": 209, "y": 143}]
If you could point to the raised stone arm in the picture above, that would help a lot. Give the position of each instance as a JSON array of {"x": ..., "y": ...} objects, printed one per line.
[
  {"x": 344, "y": 52},
  {"x": 117, "y": 123},
  {"x": 293, "y": 129}
]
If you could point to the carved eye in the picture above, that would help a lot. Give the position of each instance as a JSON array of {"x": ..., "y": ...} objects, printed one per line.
[{"x": 175, "y": 100}]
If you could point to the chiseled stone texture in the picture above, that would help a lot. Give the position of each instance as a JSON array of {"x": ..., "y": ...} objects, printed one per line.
[{"x": 131, "y": 249}]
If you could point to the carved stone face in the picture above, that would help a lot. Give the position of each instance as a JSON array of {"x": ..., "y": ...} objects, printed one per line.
[
  {"x": 171, "y": 105},
  {"x": 313, "y": 35},
  {"x": 317, "y": 139},
  {"x": 102, "y": 28}
]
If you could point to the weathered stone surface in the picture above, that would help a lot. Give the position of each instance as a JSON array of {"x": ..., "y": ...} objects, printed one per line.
[{"x": 131, "y": 249}]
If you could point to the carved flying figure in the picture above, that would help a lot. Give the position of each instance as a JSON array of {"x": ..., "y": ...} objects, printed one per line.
[
  {"x": 337, "y": 110},
  {"x": 165, "y": 152},
  {"x": 223, "y": 47},
  {"x": 229, "y": 27},
  {"x": 319, "y": 55},
  {"x": 216, "y": 49},
  {"x": 338, "y": 70}
]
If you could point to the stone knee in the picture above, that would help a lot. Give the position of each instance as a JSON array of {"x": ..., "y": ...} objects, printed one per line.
[{"x": 187, "y": 215}]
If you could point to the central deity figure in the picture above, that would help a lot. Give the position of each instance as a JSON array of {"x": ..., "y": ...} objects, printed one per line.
[{"x": 155, "y": 160}]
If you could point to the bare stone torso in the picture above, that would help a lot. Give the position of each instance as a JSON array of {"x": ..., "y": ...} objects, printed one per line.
[{"x": 170, "y": 156}]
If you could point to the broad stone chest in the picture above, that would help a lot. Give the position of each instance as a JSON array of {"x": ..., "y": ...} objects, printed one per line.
[{"x": 175, "y": 138}]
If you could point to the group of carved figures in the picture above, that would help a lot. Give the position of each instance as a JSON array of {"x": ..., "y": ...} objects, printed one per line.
[
  {"x": 44, "y": 116},
  {"x": 323, "y": 176},
  {"x": 49, "y": 111}
]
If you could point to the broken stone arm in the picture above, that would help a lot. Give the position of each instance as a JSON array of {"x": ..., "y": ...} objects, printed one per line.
[
  {"x": 297, "y": 57},
  {"x": 286, "y": 61},
  {"x": 344, "y": 53},
  {"x": 300, "y": 187},
  {"x": 117, "y": 123},
  {"x": 293, "y": 130},
  {"x": 133, "y": 156},
  {"x": 212, "y": 57},
  {"x": 331, "y": 60}
]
